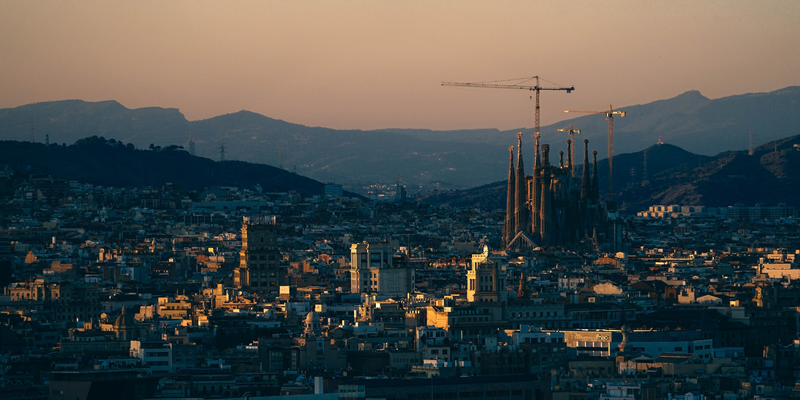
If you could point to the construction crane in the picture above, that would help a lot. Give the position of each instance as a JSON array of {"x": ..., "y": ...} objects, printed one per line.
[
  {"x": 572, "y": 131},
  {"x": 610, "y": 117},
  {"x": 536, "y": 88}
]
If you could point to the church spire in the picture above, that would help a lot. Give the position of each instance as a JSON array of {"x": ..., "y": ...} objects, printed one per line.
[
  {"x": 586, "y": 186},
  {"x": 509, "y": 228},
  {"x": 569, "y": 156},
  {"x": 536, "y": 190},
  {"x": 595, "y": 178},
  {"x": 519, "y": 191}
]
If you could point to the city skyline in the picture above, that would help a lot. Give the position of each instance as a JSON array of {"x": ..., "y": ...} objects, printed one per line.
[{"x": 360, "y": 65}]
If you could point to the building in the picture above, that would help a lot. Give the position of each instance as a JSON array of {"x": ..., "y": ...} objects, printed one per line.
[
  {"x": 156, "y": 356},
  {"x": 374, "y": 270},
  {"x": 259, "y": 263},
  {"x": 332, "y": 190},
  {"x": 54, "y": 300},
  {"x": 486, "y": 281},
  {"x": 468, "y": 323},
  {"x": 552, "y": 207}
]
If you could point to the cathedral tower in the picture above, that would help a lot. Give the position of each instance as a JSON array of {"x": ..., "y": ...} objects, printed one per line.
[
  {"x": 509, "y": 229},
  {"x": 520, "y": 215}
]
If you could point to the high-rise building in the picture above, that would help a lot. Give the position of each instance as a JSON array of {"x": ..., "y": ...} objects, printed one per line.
[
  {"x": 259, "y": 260},
  {"x": 486, "y": 281},
  {"x": 374, "y": 270}
]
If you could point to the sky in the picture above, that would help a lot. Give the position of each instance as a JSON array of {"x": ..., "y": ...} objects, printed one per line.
[{"x": 350, "y": 64}]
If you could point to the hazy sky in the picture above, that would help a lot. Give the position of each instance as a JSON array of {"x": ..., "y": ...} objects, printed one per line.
[{"x": 379, "y": 64}]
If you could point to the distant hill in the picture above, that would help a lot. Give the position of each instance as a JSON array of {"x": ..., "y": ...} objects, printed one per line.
[
  {"x": 419, "y": 158},
  {"x": 349, "y": 157},
  {"x": 694, "y": 122},
  {"x": 674, "y": 176},
  {"x": 110, "y": 163},
  {"x": 770, "y": 176}
]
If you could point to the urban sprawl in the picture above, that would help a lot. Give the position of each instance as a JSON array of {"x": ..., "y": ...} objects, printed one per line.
[{"x": 234, "y": 292}]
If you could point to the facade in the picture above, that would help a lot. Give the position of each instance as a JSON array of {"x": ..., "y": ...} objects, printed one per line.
[
  {"x": 154, "y": 355},
  {"x": 259, "y": 266},
  {"x": 608, "y": 343},
  {"x": 373, "y": 270},
  {"x": 467, "y": 323},
  {"x": 486, "y": 281},
  {"x": 332, "y": 190},
  {"x": 58, "y": 301}
]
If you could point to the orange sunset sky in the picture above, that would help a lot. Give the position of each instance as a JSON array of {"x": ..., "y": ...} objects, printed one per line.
[{"x": 379, "y": 64}]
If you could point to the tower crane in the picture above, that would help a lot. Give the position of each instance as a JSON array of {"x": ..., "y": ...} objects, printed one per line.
[
  {"x": 536, "y": 88},
  {"x": 572, "y": 131},
  {"x": 610, "y": 117}
]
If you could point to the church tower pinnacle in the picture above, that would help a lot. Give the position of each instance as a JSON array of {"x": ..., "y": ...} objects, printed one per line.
[
  {"x": 595, "y": 178},
  {"x": 509, "y": 229},
  {"x": 519, "y": 191},
  {"x": 586, "y": 185}
]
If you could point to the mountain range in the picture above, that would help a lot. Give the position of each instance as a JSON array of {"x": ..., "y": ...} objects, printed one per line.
[{"x": 421, "y": 159}]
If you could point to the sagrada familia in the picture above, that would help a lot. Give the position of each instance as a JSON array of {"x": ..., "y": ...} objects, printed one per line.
[{"x": 554, "y": 208}]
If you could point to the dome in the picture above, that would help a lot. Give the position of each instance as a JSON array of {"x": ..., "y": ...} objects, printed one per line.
[
  {"x": 124, "y": 321},
  {"x": 312, "y": 317},
  {"x": 312, "y": 325}
]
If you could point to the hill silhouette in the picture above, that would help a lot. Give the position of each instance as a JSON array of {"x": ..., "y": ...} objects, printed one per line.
[{"x": 99, "y": 161}]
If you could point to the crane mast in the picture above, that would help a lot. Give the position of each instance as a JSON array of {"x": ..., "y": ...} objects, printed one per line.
[
  {"x": 536, "y": 88},
  {"x": 610, "y": 117}
]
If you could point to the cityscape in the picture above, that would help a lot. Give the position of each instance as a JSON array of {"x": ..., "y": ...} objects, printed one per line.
[
  {"x": 232, "y": 292},
  {"x": 641, "y": 244}
]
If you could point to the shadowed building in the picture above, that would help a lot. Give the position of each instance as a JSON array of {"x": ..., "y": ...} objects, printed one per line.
[
  {"x": 553, "y": 208},
  {"x": 259, "y": 263}
]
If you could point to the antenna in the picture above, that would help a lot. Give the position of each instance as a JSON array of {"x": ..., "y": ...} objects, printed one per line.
[
  {"x": 191, "y": 145},
  {"x": 222, "y": 150},
  {"x": 47, "y": 139},
  {"x": 33, "y": 133},
  {"x": 750, "y": 152},
  {"x": 280, "y": 157},
  {"x": 644, "y": 168}
]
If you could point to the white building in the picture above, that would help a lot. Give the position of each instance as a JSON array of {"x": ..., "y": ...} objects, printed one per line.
[
  {"x": 154, "y": 355},
  {"x": 373, "y": 270}
]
